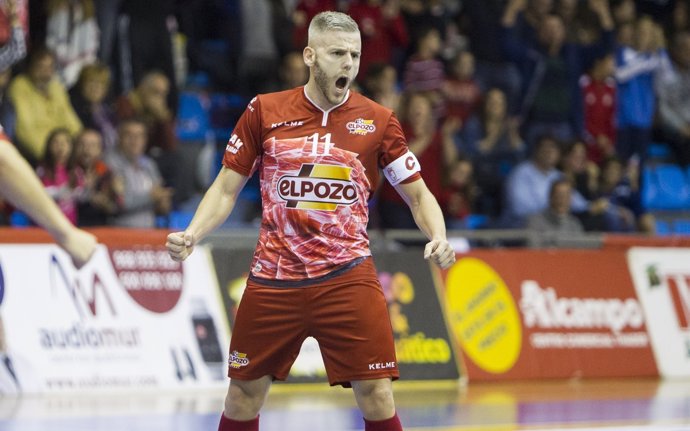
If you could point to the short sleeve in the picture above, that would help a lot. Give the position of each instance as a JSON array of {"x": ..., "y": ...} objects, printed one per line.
[
  {"x": 398, "y": 163},
  {"x": 244, "y": 145}
]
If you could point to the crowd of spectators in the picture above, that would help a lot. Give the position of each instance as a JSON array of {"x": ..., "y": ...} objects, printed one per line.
[{"x": 531, "y": 113}]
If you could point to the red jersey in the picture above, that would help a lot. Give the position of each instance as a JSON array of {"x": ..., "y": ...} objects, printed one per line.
[
  {"x": 599, "y": 99},
  {"x": 317, "y": 170}
]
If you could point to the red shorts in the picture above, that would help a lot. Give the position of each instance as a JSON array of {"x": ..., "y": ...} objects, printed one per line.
[{"x": 346, "y": 314}]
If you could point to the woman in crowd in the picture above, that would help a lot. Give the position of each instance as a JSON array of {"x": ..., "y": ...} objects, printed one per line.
[{"x": 63, "y": 179}]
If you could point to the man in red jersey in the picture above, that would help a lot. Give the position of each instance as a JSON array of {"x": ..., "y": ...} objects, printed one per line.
[{"x": 318, "y": 149}]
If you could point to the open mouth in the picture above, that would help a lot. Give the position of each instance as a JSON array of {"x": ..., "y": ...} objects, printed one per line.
[{"x": 341, "y": 83}]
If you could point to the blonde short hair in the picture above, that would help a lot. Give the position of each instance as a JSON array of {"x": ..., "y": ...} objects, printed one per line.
[{"x": 331, "y": 21}]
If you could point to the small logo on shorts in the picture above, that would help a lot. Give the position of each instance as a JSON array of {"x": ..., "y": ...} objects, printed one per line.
[
  {"x": 258, "y": 267},
  {"x": 238, "y": 359},
  {"x": 382, "y": 365}
]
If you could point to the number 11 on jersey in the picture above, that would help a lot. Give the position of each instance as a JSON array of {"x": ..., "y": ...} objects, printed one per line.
[{"x": 327, "y": 144}]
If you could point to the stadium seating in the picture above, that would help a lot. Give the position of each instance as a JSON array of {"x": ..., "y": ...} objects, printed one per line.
[
  {"x": 663, "y": 228},
  {"x": 681, "y": 226},
  {"x": 193, "y": 117},
  {"x": 225, "y": 110},
  {"x": 19, "y": 219},
  {"x": 658, "y": 151},
  {"x": 665, "y": 187}
]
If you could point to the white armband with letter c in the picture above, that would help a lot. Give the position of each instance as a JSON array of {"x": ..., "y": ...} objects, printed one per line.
[{"x": 402, "y": 168}]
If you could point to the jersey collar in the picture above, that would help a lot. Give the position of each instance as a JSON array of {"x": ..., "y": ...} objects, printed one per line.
[{"x": 324, "y": 118}]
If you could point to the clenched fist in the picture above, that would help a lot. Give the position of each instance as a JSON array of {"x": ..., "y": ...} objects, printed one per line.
[
  {"x": 440, "y": 252},
  {"x": 180, "y": 245}
]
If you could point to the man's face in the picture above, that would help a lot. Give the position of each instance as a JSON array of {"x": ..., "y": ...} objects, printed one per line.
[
  {"x": 547, "y": 154},
  {"x": 560, "y": 199},
  {"x": 88, "y": 148},
  {"x": 133, "y": 139},
  {"x": 94, "y": 89},
  {"x": 496, "y": 103},
  {"x": 155, "y": 91},
  {"x": 42, "y": 71},
  {"x": 552, "y": 31},
  {"x": 336, "y": 63}
]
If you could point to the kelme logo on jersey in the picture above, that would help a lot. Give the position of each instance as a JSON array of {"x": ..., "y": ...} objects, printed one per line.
[
  {"x": 318, "y": 187},
  {"x": 237, "y": 359},
  {"x": 361, "y": 126}
]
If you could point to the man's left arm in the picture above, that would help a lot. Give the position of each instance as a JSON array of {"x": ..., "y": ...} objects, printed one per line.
[{"x": 429, "y": 217}]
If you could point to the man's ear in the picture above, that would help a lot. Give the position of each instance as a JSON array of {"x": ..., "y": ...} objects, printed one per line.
[{"x": 309, "y": 56}]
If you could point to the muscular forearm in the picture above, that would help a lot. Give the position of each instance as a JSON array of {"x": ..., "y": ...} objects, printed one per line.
[{"x": 429, "y": 217}]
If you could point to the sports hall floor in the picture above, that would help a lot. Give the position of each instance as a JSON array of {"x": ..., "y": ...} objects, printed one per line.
[{"x": 575, "y": 405}]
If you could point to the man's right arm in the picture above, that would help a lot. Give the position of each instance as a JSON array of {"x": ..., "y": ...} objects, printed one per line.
[
  {"x": 214, "y": 208},
  {"x": 20, "y": 185}
]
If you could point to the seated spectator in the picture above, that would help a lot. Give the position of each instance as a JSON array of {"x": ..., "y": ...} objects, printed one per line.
[
  {"x": 103, "y": 192},
  {"x": 72, "y": 34},
  {"x": 492, "y": 141},
  {"x": 63, "y": 179},
  {"x": 433, "y": 147},
  {"x": 460, "y": 90},
  {"x": 148, "y": 103},
  {"x": 622, "y": 191},
  {"x": 144, "y": 194},
  {"x": 89, "y": 101},
  {"x": 582, "y": 174},
  {"x": 424, "y": 72},
  {"x": 528, "y": 184},
  {"x": 556, "y": 220},
  {"x": 459, "y": 193},
  {"x": 42, "y": 105},
  {"x": 381, "y": 85},
  {"x": 599, "y": 103},
  {"x": 673, "y": 88},
  {"x": 595, "y": 213}
]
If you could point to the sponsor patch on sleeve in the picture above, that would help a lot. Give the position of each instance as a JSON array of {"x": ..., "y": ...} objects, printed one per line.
[{"x": 402, "y": 168}]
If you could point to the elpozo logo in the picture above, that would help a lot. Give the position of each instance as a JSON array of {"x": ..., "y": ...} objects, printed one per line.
[
  {"x": 361, "y": 126},
  {"x": 318, "y": 187},
  {"x": 237, "y": 359}
]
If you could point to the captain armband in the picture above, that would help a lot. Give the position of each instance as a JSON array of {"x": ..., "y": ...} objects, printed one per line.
[{"x": 402, "y": 168}]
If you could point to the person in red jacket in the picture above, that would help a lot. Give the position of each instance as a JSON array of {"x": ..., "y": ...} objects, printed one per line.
[{"x": 599, "y": 103}]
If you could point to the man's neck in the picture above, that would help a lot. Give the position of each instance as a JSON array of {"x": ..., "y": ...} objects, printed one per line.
[{"x": 318, "y": 98}]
